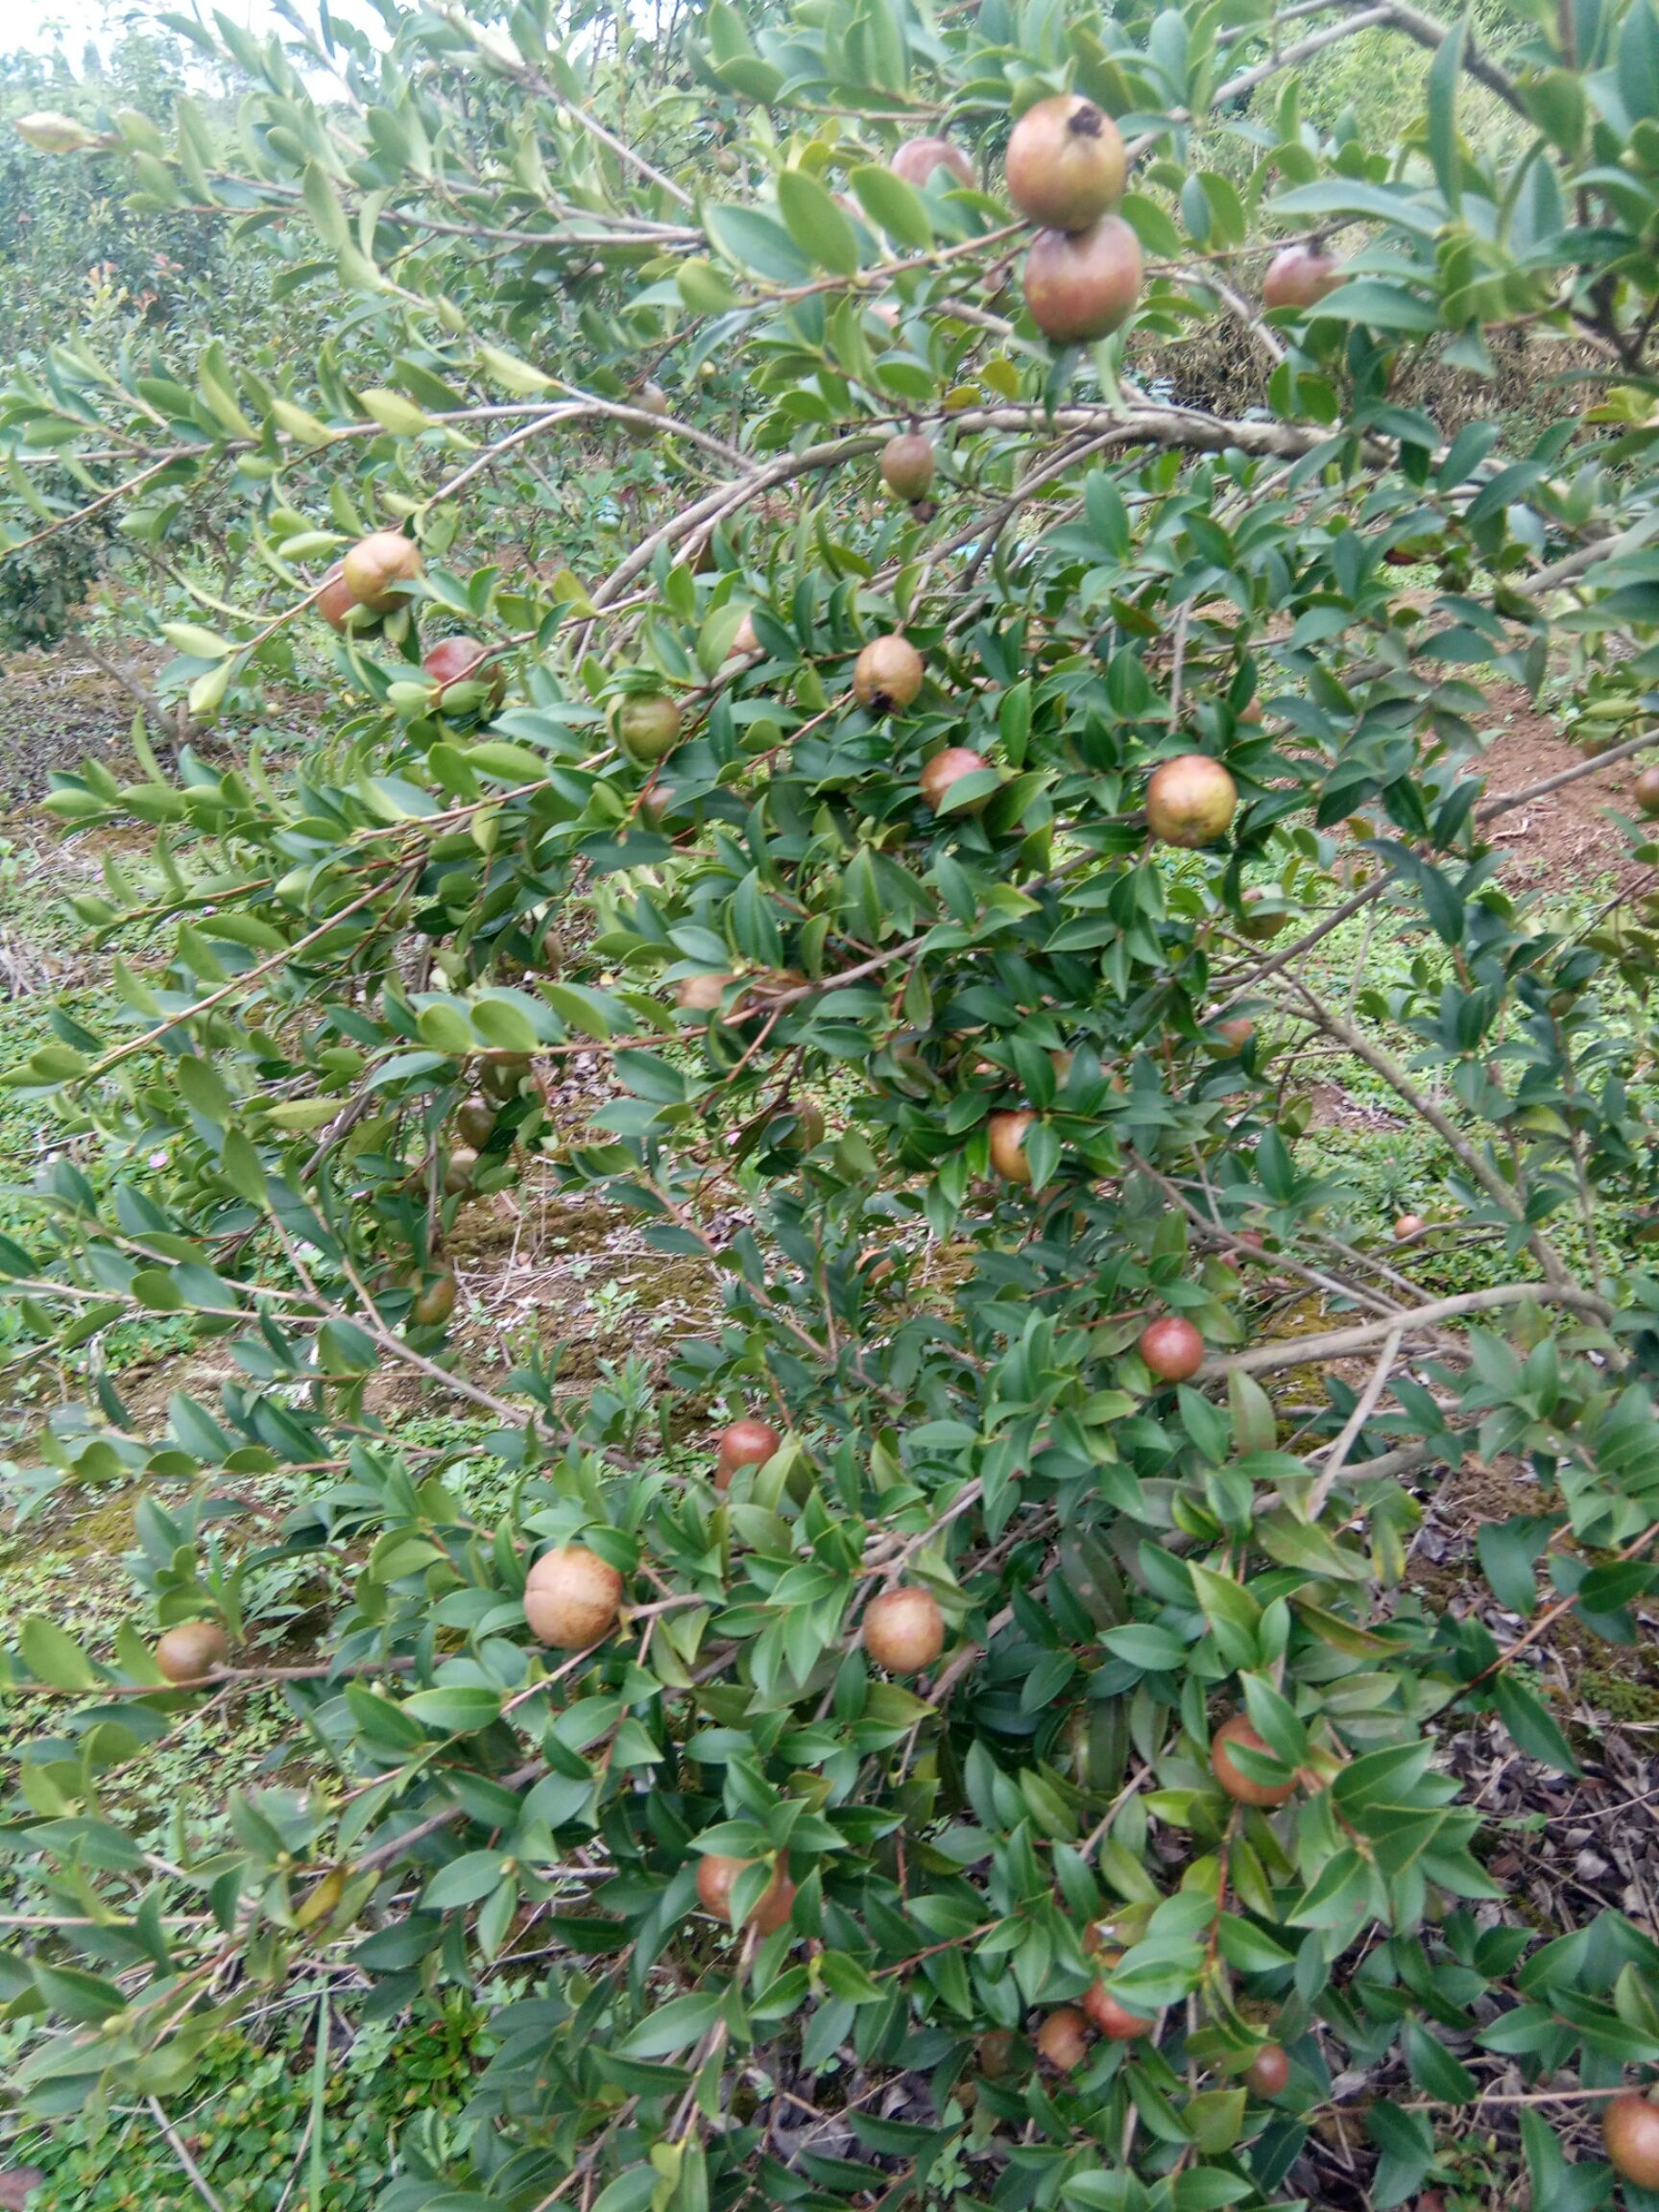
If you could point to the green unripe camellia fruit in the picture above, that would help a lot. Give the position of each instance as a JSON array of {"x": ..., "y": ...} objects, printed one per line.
[
  {"x": 887, "y": 674},
  {"x": 646, "y": 725},
  {"x": 1190, "y": 801},
  {"x": 435, "y": 1302},
  {"x": 1630, "y": 2130},
  {"x": 1065, "y": 164},
  {"x": 1082, "y": 285},
  {"x": 907, "y": 466},
  {"x": 191, "y": 1650},
  {"x": 997, "y": 2051},
  {"x": 460, "y": 1170},
  {"x": 1240, "y": 1785},
  {"x": 1259, "y": 926},
  {"x": 808, "y": 1133},
  {"x": 904, "y": 1630},
  {"x": 1300, "y": 276},
  {"x": 500, "y": 1078},
  {"x": 475, "y": 1122},
  {"x": 379, "y": 568},
  {"x": 571, "y": 1597},
  {"x": 1173, "y": 1349},
  {"x": 1646, "y": 791},
  {"x": 918, "y": 158}
]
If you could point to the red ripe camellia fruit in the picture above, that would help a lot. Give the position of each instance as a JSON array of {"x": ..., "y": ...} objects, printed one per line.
[
  {"x": 1114, "y": 2018},
  {"x": 1171, "y": 1349},
  {"x": 1190, "y": 801},
  {"x": 745, "y": 1443},
  {"x": 455, "y": 660},
  {"x": 1080, "y": 285},
  {"x": 904, "y": 1630},
  {"x": 1630, "y": 2130},
  {"x": 716, "y": 1876},
  {"x": 1268, "y": 2072},
  {"x": 887, "y": 674},
  {"x": 1065, "y": 164},
  {"x": 1008, "y": 1144},
  {"x": 918, "y": 158},
  {"x": 1300, "y": 276},
  {"x": 1063, "y": 2039},
  {"x": 191, "y": 1650},
  {"x": 1408, "y": 1226},
  {"x": 334, "y": 602},
  {"x": 571, "y": 1597},
  {"x": 1238, "y": 1785},
  {"x": 946, "y": 770},
  {"x": 380, "y": 568}
]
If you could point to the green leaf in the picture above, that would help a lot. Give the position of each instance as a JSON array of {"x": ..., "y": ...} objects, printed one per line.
[
  {"x": 894, "y": 207},
  {"x": 52, "y": 1655},
  {"x": 816, "y": 225},
  {"x": 1445, "y": 73},
  {"x": 672, "y": 2027},
  {"x": 757, "y": 242},
  {"x": 1382, "y": 305},
  {"x": 1536, "y": 1732},
  {"x": 464, "y": 1880},
  {"x": 457, "y": 1710}
]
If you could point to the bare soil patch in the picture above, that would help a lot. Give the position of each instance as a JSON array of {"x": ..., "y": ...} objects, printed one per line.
[{"x": 1565, "y": 835}]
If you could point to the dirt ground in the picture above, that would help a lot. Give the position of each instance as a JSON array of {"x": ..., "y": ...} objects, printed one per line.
[{"x": 1565, "y": 836}]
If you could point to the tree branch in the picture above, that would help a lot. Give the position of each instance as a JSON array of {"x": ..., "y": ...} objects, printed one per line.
[{"x": 1338, "y": 1343}]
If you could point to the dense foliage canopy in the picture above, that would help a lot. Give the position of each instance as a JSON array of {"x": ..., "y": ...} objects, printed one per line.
[{"x": 774, "y": 858}]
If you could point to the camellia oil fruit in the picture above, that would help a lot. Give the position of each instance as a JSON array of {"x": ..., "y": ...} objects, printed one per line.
[
  {"x": 1190, "y": 801},
  {"x": 571, "y": 1597},
  {"x": 192, "y": 1650},
  {"x": 941, "y": 774},
  {"x": 887, "y": 674},
  {"x": 917, "y": 159},
  {"x": 1008, "y": 1144},
  {"x": 379, "y": 568},
  {"x": 908, "y": 464},
  {"x": 1171, "y": 1348},
  {"x": 904, "y": 1630},
  {"x": 716, "y": 1878},
  {"x": 744, "y": 1443},
  {"x": 1082, "y": 285},
  {"x": 1065, "y": 164},
  {"x": 1241, "y": 1786},
  {"x": 646, "y": 725},
  {"x": 1630, "y": 2132},
  {"x": 1300, "y": 276}
]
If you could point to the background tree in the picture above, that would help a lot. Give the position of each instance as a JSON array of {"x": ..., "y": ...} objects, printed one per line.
[{"x": 992, "y": 1714}]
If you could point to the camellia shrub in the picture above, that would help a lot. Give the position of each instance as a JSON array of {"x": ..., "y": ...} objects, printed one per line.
[{"x": 958, "y": 1729}]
